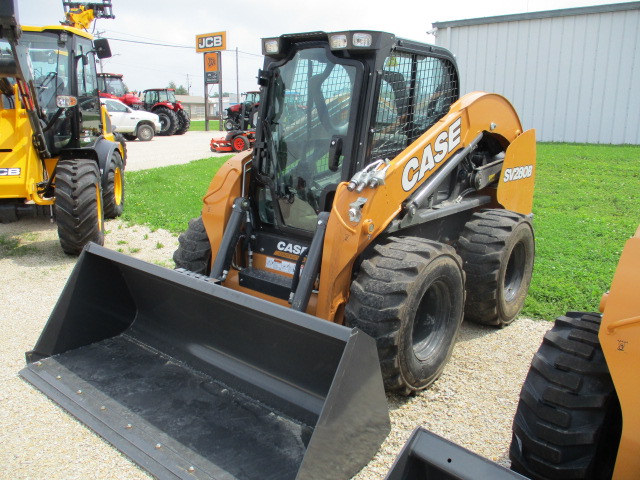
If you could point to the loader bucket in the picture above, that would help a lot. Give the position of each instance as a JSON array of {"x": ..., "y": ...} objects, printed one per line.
[
  {"x": 193, "y": 380},
  {"x": 427, "y": 456}
]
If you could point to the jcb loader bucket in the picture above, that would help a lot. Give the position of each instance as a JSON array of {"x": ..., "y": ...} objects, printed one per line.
[
  {"x": 427, "y": 456},
  {"x": 193, "y": 380}
]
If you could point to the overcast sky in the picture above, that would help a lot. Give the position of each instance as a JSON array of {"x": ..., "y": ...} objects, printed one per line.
[{"x": 177, "y": 22}]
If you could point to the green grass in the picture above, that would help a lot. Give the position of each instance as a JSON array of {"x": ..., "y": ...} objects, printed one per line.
[
  {"x": 586, "y": 206},
  {"x": 198, "y": 125},
  {"x": 168, "y": 197}
]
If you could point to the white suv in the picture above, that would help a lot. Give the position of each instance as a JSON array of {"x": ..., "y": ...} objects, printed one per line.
[{"x": 132, "y": 123}]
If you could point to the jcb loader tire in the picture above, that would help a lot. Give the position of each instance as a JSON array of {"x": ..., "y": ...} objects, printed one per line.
[
  {"x": 113, "y": 190},
  {"x": 78, "y": 205},
  {"x": 168, "y": 120},
  {"x": 194, "y": 250},
  {"x": 498, "y": 249},
  {"x": 568, "y": 421},
  {"x": 184, "y": 122},
  {"x": 409, "y": 296}
]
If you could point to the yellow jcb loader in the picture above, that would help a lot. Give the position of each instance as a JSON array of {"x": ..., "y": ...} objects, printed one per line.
[
  {"x": 578, "y": 413},
  {"x": 58, "y": 155},
  {"x": 376, "y": 202}
]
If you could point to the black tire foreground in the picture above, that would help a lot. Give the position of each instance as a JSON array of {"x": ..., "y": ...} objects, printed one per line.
[
  {"x": 498, "y": 250},
  {"x": 409, "y": 296},
  {"x": 168, "y": 120},
  {"x": 184, "y": 122},
  {"x": 113, "y": 190},
  {"x": 78, "y": 205},
  {"x": 194, "y": 250},
  {"x": 568, "y": 421}
]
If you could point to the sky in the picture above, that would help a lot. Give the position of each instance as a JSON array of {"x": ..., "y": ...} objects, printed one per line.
[{"x": 177, "y": 22}]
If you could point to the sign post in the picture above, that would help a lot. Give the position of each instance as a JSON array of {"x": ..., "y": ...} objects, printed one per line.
[{"x": 210, "y": 45}]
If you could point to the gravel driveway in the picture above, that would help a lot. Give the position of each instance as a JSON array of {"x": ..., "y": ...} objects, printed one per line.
[{"x": 472, "y": 404}]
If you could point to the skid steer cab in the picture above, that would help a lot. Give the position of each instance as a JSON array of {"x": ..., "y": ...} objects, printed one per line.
[{"x": 58, "y": 155}]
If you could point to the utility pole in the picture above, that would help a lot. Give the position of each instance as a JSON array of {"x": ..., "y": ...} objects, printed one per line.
[{"x": 237, "y": 79}]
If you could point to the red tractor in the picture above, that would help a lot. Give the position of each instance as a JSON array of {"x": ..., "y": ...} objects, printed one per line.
[
  {"x": 241, "y": 115},
  {"x": 174, "y": 119},
  {"x": 111, "y": 85}
]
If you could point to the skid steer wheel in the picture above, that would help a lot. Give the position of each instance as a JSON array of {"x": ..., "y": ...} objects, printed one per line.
[
  {"x": 168, "y": 120},
  {"x": 113, "y": 189},
  {"x": 497, "y": 248},
  {"x": 78, "y": 204},
  {"x": 409, "y": 296},
  {"x": 568, "y": 421},
  {"x": 194, "y": 250},
  {"x": 184, "y": 122}
]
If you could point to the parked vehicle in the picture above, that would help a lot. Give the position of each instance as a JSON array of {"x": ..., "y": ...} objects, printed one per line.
[
  {"x": 130, "y": 123},
  {"x": 174, "y": 119},
  {"x": 242, "y": 116},
  {"x": 234, "y": 141},
  {"x": 111, "y": 85}
]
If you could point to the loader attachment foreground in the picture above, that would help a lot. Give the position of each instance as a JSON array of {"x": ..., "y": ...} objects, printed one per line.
[
  {"x": 193, "y": 380},
  {"x": 427, "y": 456}
]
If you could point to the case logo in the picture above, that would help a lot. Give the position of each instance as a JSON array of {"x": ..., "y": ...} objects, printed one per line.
[{"x": 290, "y": 248}]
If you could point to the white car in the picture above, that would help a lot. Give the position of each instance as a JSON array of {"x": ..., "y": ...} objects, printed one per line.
[{"x": 130, "y": 123}]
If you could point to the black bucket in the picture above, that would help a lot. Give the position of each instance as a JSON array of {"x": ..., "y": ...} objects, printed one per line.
[
  {"x": 427, "y": 456},
  {"x": 193, "y": 380}
]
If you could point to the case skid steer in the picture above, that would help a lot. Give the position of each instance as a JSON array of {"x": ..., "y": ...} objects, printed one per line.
[
  {"x": 58, "y": 155},
  {"x": 374, "y": 206}
]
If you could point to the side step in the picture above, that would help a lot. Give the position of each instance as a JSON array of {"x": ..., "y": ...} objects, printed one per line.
[{"x": 193, "y": 380}]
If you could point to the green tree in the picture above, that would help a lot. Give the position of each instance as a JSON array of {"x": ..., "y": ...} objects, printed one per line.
[{"x": 181, "y": 91}]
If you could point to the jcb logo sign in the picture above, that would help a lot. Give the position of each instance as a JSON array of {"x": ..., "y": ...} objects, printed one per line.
[
  {"x": 209, "y": 42},
  {"x": 9, "y": 172}
]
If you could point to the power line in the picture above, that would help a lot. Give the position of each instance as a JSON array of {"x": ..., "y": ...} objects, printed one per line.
[{"x": 174, "y": 46}]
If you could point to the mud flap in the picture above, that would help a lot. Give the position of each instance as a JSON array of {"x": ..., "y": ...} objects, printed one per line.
[
  {"x": 427, "y": 456},
  {"x": 194, "y": 380}
]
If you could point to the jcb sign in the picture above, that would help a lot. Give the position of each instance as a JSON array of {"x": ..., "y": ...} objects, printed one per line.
[{"x": 209, "y": 42}]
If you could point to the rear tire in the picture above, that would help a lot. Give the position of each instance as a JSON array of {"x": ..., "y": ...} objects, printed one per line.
[
  {"x": 113, "y": 189},
  {"x": 409, "y": 296},
  {"x": 230, "y": 125},
  {"x": 168, "y": 120},
  {"x": 497, "y": 247},
  {"x": 568, "y": 421},
  {"x": 184, "y": 122},
  {"x": 78, "y": 204},
  {"x": 145, "y": 132},
  {"x": 129, "y": 136},
  {"x": 194, "y": 250}
]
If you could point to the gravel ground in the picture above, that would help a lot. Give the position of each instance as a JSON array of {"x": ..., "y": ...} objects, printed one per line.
[{"x": 471, "y": 404}]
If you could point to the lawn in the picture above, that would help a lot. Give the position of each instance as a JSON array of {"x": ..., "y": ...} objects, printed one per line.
[
  {"x": 586, "y": 206},
  {"x": 198, "y": 125}
]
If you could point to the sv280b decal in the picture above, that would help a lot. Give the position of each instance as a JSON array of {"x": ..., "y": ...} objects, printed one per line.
[{"x": 517, "y": 173}]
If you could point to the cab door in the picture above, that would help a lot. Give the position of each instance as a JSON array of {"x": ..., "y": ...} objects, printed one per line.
[{"x": 87, "y": 93}]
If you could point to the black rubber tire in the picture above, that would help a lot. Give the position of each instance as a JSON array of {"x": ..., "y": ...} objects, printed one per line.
[
  {"x": 568, "y": 421},
  {"x": 184, "y": 122},
  {"x": 498, "y": 250},
  {"x": 78, "y": 204},
  {"x": 230, "y": 125},
  {"x": 113, "y": 188},
  {"x": 168, "y": 121},
  {"x": 145, "y": 132},
  {"x": 129, "y": 136},
  {"x": 239, "y": 143},
  {"x": 402, "y": 291},
  {"x": 194, "y": 249}
]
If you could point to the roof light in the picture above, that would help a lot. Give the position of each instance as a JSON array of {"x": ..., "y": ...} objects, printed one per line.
[
  {"x": 271, "y": 46},
  {"x": 338, "y": 41},
  {"x": 362, "y": 40}
]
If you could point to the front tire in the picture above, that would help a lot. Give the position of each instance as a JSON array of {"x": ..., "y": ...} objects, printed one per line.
[
  {"x": 168, "y": 121},
  {"x": 239, "y": 143},
  {"x": 184, "y": 122},
  {"x": 230, "y": 125},
  {"x": 145, "y": 132},
  {"x": 78, "y": 204},
  {"x": 497, "y": 247},
  {"x": 409, "y": 296},
  {"x": 194, "y": 250},
  {"x": 113, "y": 189},
  {"x": 568, "y": 421}
]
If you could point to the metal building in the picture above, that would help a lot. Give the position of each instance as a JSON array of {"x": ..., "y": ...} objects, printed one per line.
[{"x": 572, "y": 74}]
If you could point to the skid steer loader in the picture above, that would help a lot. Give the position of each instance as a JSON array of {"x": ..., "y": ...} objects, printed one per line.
[
  {"x": 578, "y": 411},
  {"x": 375, "y": 209},
  {"x": 58, "y": 154}
]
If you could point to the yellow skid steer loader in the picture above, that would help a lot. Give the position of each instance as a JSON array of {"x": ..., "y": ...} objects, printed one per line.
[{"x": 376, "y": 203}]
